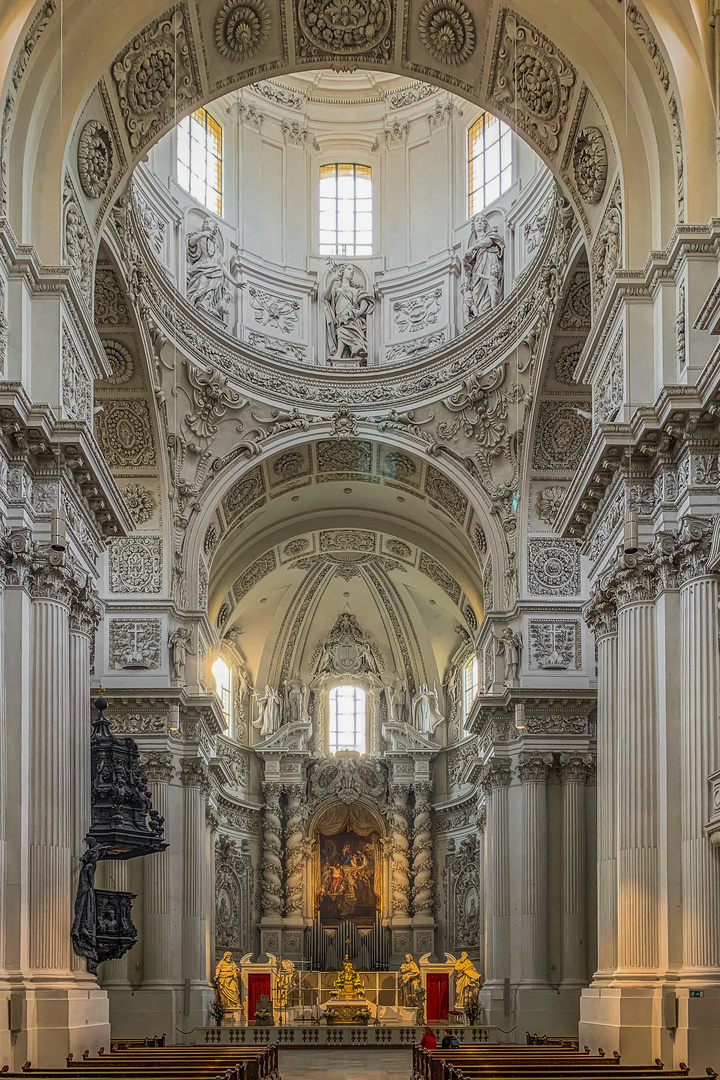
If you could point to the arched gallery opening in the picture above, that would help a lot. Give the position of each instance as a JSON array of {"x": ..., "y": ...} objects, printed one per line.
[{"x": 359, "y": 502}]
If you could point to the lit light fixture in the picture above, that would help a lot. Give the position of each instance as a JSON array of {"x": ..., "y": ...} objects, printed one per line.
[
  {"x": 174, "y": 720},
  {"x": 520, "y": 717},
  {"x": 630, "y": 542},
  {"x": 58, "y": 531}
]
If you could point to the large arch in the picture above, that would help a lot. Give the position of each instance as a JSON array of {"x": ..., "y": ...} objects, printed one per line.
[{"x": 644, "y": 112}]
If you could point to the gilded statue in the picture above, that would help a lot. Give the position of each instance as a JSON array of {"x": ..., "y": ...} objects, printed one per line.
[
  {"x": 227, "y": 975},
  {"x": 287, "y": 978},
  {"x": 467, "y": 978},
  {"x": 410, "y": 981}
]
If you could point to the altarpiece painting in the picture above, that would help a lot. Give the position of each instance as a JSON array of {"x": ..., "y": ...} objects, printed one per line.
[{"x": 348, "y": 866}]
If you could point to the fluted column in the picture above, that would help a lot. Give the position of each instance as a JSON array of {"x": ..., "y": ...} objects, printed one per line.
[
  {"x": 423, "y": 860},
  {"x": 157, "y": 923},
  {"x": 400, "y": 856},
  {"x": 636, "y": 770},
  {"x": 193, "y": 774},
  {"x": 212, "y": 824},
  {"x": 533, "y": 771},
  {"x": 602, "y": 617},
  {"x": 574, "y": 769},
  {"x": 495, "y": 781},
  {"x": 272, "y": 869},
  {"x": 3, "y": 766},
  {"x": 84, "y": 618},
  {"x": 699, "y": 757},
  {"x": 482, "y": 839},
  {"x": 295, "y": 851},
  {"x": 51, "y": 813}
]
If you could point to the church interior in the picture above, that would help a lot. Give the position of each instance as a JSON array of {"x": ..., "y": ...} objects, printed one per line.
[{"x": 360, "y": 538}]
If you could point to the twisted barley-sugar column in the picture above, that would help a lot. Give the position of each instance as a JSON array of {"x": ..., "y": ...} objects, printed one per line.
[
  {"x": 294, "y": 851},
  {"x": 400, "y": 833},
  {"x": 495, "y": 783},
  {"x": 636, "y": 770},
  {"x": 272, "y": 892},
  {"x": 423, "y": 862},
  {"x": 601, "y": 615},
  {"x": 699, "y": 756},
  {"x": 533, "y": 771},
  {"x": 574, "y": 772},
  {"x": 51, "y": 802},
  {"x": 157, "y": 924},
  {"x": 194, "y": 778}
]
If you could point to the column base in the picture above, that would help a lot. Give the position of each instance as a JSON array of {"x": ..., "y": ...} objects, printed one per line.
[
  {"x": 55, "y": 1020},
  {"x": 137, "y": 1014},
  {"x": 548, "y": 1012},
  {"x": 697, "y": 1041},
  {"x": 628, "y": 1019}
]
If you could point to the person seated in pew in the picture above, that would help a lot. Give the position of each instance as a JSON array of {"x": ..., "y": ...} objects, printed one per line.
[
  {"x": 449, "y": 1042},
  {"x": 428, "y": 1041}
]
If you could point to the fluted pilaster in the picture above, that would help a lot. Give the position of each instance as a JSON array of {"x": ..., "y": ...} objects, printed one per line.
[
  {"x": 194, "y": 779},
  {"x": 533, "y": 772},
  {"x": 3, "y": 770},
  {"x": 81, "y": 628},
  {"x": 607, "y": 718},
  {"x": 699, "y": 756},
  {"x": 496, "y": 780},
  {"x": 51, "y": 809},
  {"x": 157, "y": 923},
  {"x": 574, "y": 770},
  {"x": 637, "y": 808}
]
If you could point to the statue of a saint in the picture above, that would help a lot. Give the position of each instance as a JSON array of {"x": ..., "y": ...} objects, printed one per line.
[
  {"x": 179, "y": 644},
  {"x": 410, "y": 981},
  {"x": 425, "y": 710},
  {"x": 207, "y": 278},
  {"x": 296, "y": 694},
  {"x": 467, "y": 977},
  {"x": 399, "y": 712},
  {"x": 286, "y": 979},
  {"x": 510, "y": 645},
  {"x": 483, "y": 286},
  {"x": 227, "y": 974},
  {"x": 270, "y": 712},
  {"x": 347, "y": 307}
]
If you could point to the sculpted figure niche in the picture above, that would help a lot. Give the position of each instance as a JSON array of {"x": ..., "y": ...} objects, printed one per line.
[
  {"x": 483, "y": 287},
  {"x": 269, "y": 712},
  {"x": 426, "y": 710},
  {"x": 347, "y": 307},
  {"x": 207, "y": 279}
]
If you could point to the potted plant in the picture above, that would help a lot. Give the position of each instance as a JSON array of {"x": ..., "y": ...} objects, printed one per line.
[
  {"x": 218, "y": 1010},
  {"x": 362, "y": 1016},
  {"x": 263, "y": 1018}
]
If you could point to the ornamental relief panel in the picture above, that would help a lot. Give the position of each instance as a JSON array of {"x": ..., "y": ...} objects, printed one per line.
[
  {"x": 111, "y": 309},
  {"x": 277, "y": 313},
  {"x": 136, "y": 565},
  {"x": 134, "y": 644},
  {"x": 233, "y": 896},
  {"x": 462, "y": 892},
  {"x": 554, "y": 567},
  {"x": 562, "y": 433},
  {"x": 417, "y": 312},
  {"x": 124, "y": 433},
  {"x": 554, "y": 645},
  {"x": 531, "y": 81}
]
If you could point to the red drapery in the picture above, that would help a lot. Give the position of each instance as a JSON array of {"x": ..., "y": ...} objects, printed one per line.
[
  {"x": 259, "y": 984},
  {"x": 437, "y": 995}
]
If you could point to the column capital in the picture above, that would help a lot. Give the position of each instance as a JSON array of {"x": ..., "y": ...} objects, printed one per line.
[
  {"x": 534, "y": 768},
  {"x": 576, "y": 768},
  {"x": 600, "y": 612},
  {"x": 194, "y": 773},
  {"x": 158, "y": 766},
  {"x": 422, "y": 789},
  {"x": 86, "y": 609},
  {"x": 497, "y": 773},
  {"x": 272, "y": 790}
]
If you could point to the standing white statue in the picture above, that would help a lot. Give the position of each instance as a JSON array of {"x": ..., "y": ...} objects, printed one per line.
[
  {"x": 483, "y": 261},
  {"x": 179, "y": 643},
  {"x": 510, "y": 645},
  {"x": 269, "y": 712},
  {"x": 295, "y": 695},
  {"x": 207, "y": 278},
  {"x": 398, "y": 696},
  {"x": 425, "y": 710},
  {"x": 347, "y": 307}
]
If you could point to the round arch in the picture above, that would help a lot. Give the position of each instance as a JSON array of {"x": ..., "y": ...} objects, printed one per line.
[{"x": 584, "y": 44}]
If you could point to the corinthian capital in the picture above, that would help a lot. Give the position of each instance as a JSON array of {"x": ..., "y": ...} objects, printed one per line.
[
  {"x": 497, "y": 773},
  {"x": 534, "y": 768},
  {"x": 158, "y": 767},
  {"x": 193, "y": 773},
  {"x": 86, "y": 609},
  {"x": 576, "y": 768},
  {"x": 51, "y": 577},
  {"x": 600, "y": 612},
  {"x": 695, "y": 539}
]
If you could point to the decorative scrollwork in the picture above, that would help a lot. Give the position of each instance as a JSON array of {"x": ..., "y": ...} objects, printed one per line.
[{"x": 94, "y": 159}]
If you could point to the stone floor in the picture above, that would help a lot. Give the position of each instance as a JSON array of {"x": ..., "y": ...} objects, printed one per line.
[{"x": 383, "y": 1063}]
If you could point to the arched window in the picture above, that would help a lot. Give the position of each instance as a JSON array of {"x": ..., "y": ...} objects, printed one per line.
[
  {"x": 489, "y": 162},
  {"x": 223, "y": 684},
  {"x": 199, "y": 158},
  {"x": 470, "y": 685},
  {"x": 346, "y": 218},
  {"x": 347, "y": 719}
]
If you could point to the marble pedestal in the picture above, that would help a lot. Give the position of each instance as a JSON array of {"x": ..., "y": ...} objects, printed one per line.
[{"x": 58, "y": 1020}]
